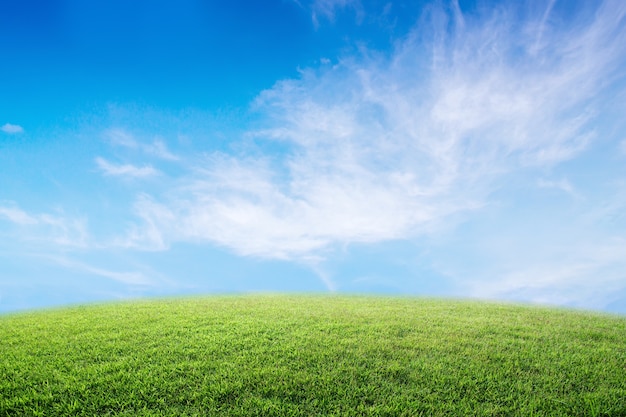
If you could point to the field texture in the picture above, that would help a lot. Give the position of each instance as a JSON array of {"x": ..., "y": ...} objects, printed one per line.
[{"x": 311, "y": 355}]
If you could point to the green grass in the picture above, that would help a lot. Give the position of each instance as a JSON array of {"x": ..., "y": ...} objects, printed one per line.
[{"x": 311, "y": 355}]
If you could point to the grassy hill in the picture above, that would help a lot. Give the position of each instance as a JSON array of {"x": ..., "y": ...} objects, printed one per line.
[{"x": 311, "y": 355}]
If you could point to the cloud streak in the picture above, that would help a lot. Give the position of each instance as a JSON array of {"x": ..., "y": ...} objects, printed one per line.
[
  {"x": 16, "y": 215},
  {"x": 125, "y": 170},
  {"x": 134, "y": 278}
]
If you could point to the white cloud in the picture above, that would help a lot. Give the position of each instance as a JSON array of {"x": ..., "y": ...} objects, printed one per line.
[
  {"x": 64, "y": 231},
  {"x": 56, "y": 228},
  {"x": 125, "y": 170},
  {"x": 125, "y": 277},
  {"x": 327, "y": 9},
  {"x": 120, "y": 137},
  {"x": 158, "y": 148},
  {"x": 11, "y": 129},
  {"x": 400, "y": 145},
  {"x": 150, "y": 235},
  {"x": 16, "y": 215},
  {"x": 562, "y": 184},
  {"x": 377, "y": 149}
]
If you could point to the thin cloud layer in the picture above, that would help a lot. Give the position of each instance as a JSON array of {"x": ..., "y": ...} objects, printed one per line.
[
  {"x": 570, "y": 273},
  {"x": 383, "y": 147}
]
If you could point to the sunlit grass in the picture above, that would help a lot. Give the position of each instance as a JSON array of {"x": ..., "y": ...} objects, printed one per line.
[{"x": 311, "y": 355}]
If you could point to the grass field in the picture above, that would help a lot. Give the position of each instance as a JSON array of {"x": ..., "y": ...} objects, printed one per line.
[{"x": 277, "y": 355}]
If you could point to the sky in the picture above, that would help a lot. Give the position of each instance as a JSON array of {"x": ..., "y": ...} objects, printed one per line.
[{"x": 448, "y": 148}]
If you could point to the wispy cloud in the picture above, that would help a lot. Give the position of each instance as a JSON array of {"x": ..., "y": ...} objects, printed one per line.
[
  {"x": 56, "y": 228},
  {"x": 125, "y": 170},
  {"x": 120, "y": 137},
  {"x": 383, "y": 148},
  {"x": 124, "y": 277},
  {"x": 16, "y": 215},
  {"x": 562, "y": 184},
  {"x": 568, "y": 274},
  {"x": 11, "y": 129},
  {"x": 157, "y": 148},
  {"x": 558, "y": 251},
  {"x": 327, "y": 9}
]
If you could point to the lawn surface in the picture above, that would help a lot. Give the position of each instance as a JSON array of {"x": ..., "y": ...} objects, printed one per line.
[{"x": 277, "y": 355}]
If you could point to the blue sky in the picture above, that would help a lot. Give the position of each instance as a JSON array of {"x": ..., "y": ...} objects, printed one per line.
[{"x": 447, "y": 148}]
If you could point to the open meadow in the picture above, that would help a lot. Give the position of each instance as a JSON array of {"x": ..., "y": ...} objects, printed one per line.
[{"x": 303, "y": 355}]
